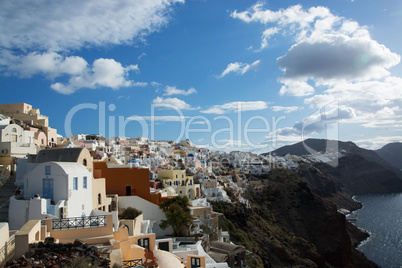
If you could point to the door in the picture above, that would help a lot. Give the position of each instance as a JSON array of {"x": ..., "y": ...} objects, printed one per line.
[
  {"x": 47, "y": 187},
  {"x": 128, "y": 190}
]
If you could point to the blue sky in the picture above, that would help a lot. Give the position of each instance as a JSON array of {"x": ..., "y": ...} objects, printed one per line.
[{"x": 248, "y": 75}]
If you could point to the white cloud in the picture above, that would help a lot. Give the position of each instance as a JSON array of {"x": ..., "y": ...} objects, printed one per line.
[
  {"x": 63, "y": 25},
  {"x": 336, "y": 57},
  {"x": 143, "y": 54},
  {"x": 139, "y": 84},
  {"x": 174, "y": 91},
  {"x": 327, "y": 48},
  {"x": 295, "y": 88},
  {"x": 318, "y": 122},
  {"x": 172, "y": 103},
  {"x": 285, "y": 109},
  {"x": 239, "y": 68},
  {"x": 340, "y": 57},
  {"x": 377, "y": 142},
  {"x": 377, "y": 103},
  {"x": 104, "y": 73},
  {"x": 267, "y": 35},
  {"x": 49, "y": 64},
  {"x": 45, "y": 33},
  {"x": 236, "y": 106},
  {"x": 155, "y": 84}
]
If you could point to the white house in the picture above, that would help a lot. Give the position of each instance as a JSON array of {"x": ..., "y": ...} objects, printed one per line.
[
  {"x": 16, "y": 142},
  {"x": 60, "y": 189}
]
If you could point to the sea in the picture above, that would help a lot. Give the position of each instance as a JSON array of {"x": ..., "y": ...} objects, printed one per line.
[{"x": 381, "y": 217}]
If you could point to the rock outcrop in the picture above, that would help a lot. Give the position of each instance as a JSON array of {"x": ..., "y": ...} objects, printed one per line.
[
  {"x": 49, "y": 254},
  {"x": 289, "y": 225}
]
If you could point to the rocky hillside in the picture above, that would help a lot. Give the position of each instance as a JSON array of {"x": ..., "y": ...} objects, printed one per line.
[
  {"x": 359, "y": 176},
  {"x": 360, "y": 171},
  {"x": 310, "y": 146},
  {"x": 392, "y": 153},
  {"x": 289, "y": 225}
]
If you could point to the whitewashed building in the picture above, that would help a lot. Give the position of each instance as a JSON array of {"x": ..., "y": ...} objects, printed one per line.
[
  {"x": 15, "y": 142},
  {"x": 52, "y": 189}
]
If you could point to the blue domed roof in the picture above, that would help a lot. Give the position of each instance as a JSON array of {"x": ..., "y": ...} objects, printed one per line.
[
  {"x": 133, "y": 160},
  {"x": 190, "y": 155}
]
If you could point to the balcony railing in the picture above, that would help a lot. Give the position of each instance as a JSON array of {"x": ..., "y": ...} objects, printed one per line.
[
  {"x": 75, "y": 223},
  {"x": 132, "y": 263}
]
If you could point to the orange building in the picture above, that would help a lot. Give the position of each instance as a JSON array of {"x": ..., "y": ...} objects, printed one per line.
[{"x": 126, "y": 181}]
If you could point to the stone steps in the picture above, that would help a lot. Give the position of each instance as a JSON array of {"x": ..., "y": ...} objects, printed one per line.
[{"x": 6, "y": 191}]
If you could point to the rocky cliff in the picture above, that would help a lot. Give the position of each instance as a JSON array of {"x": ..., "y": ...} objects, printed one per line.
[{"x": 289, "y": 225}]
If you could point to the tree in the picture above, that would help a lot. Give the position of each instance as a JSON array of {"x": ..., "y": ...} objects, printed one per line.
[
  {"x": 177, "y": 214},
  {"x": 130, "y": 213}
]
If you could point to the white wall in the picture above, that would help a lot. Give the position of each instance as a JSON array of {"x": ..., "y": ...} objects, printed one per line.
[
  {"x": 17, "y": 213},
  {"x": 149, "y": 210},
  {"x": 78, "y": 201}
]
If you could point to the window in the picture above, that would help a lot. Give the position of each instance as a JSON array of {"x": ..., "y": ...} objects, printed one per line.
[
  {"x": 99, "y": 199},
  {"x": 14, "y": 130},
  {"x": 182, "y": 176},
  {"x": 84, "y": 183},
  {"x": 144, "y": 242},
  {"x": 84, "y": 162},
  {"x": 47, "y": 170},
  {"x": 176, "y": 176},
  {"x": 75, "y": 183},
  {"x": 182, "y": 182},
  {"x": 195, "y": 262}
]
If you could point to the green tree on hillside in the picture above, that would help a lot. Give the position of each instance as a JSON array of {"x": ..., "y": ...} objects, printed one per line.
[{"x": 178, "y": 215}]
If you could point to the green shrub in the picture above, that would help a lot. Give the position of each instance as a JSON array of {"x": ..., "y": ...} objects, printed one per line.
[{"x": 130, "y": 213}]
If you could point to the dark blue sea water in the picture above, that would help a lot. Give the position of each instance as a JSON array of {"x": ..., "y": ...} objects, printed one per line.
[{"x": 381, "y": 216}]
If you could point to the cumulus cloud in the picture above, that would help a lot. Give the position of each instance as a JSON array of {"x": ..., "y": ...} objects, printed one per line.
[
  {"x": 236, "y": 106},
  {"x": 239, "y": 68},
  {"x": 284, "y": 109},
  {"x": 327, "y": 48},
  {"x": 377, "y": 103},
  {"x": 318, "y": 122},
  {"x": 37, "y": 38},
  {"x": 49, "y": 64},
  {"x": 172, "y": 103},
  {"x": 175, "y": 91},
  {"x": 104, "y": 73},
  {"x": 295, "y": 88},
  {"x": 337, "y": 57}
]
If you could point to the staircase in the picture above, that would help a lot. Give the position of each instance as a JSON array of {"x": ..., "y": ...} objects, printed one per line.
[{"x": 6, "y": 191}]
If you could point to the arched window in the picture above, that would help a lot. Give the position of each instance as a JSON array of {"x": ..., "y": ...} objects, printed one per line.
[
  {"x": 84, "y": 162},
  {"x": 99, "y": 199},
  {"x": 14, "y": 130}
]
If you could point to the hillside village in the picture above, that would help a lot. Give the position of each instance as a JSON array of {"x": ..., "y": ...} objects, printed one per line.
[{"x": 77, "y": 187}]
